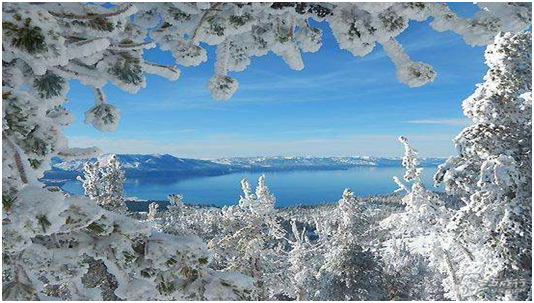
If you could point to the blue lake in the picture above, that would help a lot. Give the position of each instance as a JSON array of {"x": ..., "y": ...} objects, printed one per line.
[{"x": 290, "y": 188}]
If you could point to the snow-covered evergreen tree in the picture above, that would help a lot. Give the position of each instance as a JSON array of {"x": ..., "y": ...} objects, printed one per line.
[
  {"x": 425, "y": 213},
  {"x": 113, "y": 177},
  {"x": 350, "y": 271},
  {"x": 181, "y": 219},
  {"x": 493, "y": 176},
  {"x": 104, "y": 184},
  {"x": 409, "y": 276},
  {"x": 176, "y": 203},
  {"x": 244, "y": 244},
  {"x": 152, "y": 211},
  {"x": 408, "y": 259},
  {"x": 302, "y": 260},
  {"x": 92, "y": 181}
]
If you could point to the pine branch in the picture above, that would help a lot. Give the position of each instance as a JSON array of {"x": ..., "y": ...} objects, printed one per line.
[
  {"x": 202, "y": 19},
  {"x": 170, "y": 68},
  {"x": 100, "y": 98},
  {"x": 132, "y": 46},
  {"x": 452, "y": 273},
  {"x": 18, "y": 158},
  {"x": 118, "y": 11},
  {"x": 82, "y": 42},
  {"x": 66, "y": 70}
]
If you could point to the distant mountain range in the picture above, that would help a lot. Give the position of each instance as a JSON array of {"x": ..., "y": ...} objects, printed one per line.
[{"x": 137, "y": 166}]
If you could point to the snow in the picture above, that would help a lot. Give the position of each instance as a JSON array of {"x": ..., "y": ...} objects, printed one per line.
[
  {"x": 51, "y": 242},
  {"x": 104, "y": 117}
]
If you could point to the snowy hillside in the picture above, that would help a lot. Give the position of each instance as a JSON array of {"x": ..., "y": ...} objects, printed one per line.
[{"x": 137, "y": 165}]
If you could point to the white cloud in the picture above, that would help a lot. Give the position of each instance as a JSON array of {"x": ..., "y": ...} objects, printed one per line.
[{"x": 463, "y": 121}]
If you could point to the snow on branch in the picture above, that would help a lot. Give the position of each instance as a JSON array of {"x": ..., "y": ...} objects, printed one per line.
[
  {"x": 411, "y": 73},
  {"x": 410, "y": 161},
  {"x": 122, "y": 9},
  {"x": 170, "y": 72},
  {"x": 221, "y": 86},
  {"x": 103, "y": 116}
]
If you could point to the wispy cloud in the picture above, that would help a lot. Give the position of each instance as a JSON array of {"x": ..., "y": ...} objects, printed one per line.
[
  {"x": 183, "y": 131},
  {"x": 463, "y": 121}
]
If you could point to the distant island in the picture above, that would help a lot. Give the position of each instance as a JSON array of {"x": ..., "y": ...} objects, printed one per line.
[{"x": 139, "y": 166}]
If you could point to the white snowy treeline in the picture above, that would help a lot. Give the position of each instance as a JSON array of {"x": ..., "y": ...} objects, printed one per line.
[
  {"x": 253, "y": 238},
  {"x": 51, "y": 241}
]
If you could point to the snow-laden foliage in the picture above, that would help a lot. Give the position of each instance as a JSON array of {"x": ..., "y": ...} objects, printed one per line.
[
  {"x": 104, "y": 184},
  {"x": 483, "y": 249},
  {"x": 424, "y": 218},
  {"x": 326, "y": 256},
  {"x": 300, "y": 258},
  {"x": 87, "y": 248},
  {"x": 57, "y": 246},
  {"x": 408, "y": 274},
  {"x": 493, "y": 176},
  {"x": 238, "y": 236},
  {"x": 152, "y": 211},
  {"x": 350, "y": 271},
  {"x": 247, "y": 231},
  {"x": 103, "y": 116}
]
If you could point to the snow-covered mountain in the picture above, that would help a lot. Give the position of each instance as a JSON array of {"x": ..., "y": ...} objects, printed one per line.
[
  {"x": 136, "y": 165},
  {"x": 166, "y": 165},
  {"x": 291, "y": 163}
]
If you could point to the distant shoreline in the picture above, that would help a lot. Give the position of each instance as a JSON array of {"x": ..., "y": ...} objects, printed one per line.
[{"x": 151, "y": 166}]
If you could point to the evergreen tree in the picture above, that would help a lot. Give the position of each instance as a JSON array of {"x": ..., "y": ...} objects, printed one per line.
[
  {"x": 104, "y": 185},
  {"x": 493, "y": 175},
  {"x": 303, "y": 260},
  {"x": 113, "y": 177},
  {"x": 350, "y": 271},
  {"x": 424, "y": 218},
  {"x": 152, "y": 211},
  {"x": 245, "y": 243}
]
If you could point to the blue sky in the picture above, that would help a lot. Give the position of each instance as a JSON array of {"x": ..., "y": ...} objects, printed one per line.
[{"x": 339, "y": 105}]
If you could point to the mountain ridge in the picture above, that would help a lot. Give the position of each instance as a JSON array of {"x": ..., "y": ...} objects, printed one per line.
[{"x": 155, "y": 165}]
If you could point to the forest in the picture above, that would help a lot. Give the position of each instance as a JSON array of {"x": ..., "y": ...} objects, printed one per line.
[{"x": 473, "y": 242}]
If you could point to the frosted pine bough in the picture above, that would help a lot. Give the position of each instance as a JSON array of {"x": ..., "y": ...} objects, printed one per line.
[{"x": 50, "y": 239}]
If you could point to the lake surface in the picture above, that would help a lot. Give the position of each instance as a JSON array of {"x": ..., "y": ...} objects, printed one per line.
[{"x": 290, "y": 188}]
